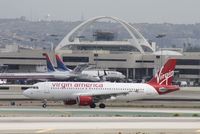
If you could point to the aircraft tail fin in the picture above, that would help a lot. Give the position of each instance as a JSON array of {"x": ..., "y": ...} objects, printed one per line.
[
  {"x": 165, "y": 75},
  {"x": 60, "y": 64},
  {"x": 50, "y": 67}
]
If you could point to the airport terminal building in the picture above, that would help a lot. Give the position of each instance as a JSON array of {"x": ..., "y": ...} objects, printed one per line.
[{"x": 134, "y": 56}]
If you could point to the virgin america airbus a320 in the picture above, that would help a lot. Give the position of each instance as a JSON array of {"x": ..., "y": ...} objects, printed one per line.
[{"x": 89, "y": 93}]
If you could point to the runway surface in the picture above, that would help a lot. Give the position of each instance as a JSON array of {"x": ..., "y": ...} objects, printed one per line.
[
  {"x": 108, "y": 109},
  {"x": 98, "y": 124},
  {"x": 99, "y": 121},
  {"x": 88, "y": 112}
]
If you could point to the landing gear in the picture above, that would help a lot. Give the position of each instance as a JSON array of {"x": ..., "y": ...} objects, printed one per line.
[
  {"x": 102, "y": 105},
  {"x": 93, "y": 105},
  {"x": 44, "y": 104}
]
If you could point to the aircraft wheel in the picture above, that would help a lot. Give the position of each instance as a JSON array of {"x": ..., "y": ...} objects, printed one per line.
[
  {"x": 102, "y": 105},
  {"x": 44, "y": 105},
  {"x": 93, "y": 105}
]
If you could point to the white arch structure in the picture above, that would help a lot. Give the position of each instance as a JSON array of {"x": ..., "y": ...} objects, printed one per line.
[{"x": 137, "y": 39}]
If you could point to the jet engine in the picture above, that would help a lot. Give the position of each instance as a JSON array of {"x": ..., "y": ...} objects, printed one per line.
[{"x": 85, "y": 100}]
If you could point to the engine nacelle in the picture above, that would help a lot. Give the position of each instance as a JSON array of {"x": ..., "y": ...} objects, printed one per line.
[
  {"x": 70, "y": 102},
  {"x": 85, "y": 100}
]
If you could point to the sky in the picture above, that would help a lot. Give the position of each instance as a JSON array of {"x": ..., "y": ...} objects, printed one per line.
[{"x": 134, "y": 11}]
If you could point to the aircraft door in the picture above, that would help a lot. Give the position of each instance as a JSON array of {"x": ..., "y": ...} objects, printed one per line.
[{"x": 46, "y": 90}]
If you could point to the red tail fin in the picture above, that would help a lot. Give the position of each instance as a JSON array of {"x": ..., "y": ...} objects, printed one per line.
[
  {"x": 50, "y": 66},
  {"x": 165, "y": 75}
]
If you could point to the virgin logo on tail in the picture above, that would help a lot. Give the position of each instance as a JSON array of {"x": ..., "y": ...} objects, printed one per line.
[
  {"x": 162, "y": 79},
  {"x": 165, "y": 75}
]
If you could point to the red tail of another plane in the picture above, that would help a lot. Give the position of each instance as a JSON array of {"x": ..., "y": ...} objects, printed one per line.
[
  {"x": 60, "y": 64},
  {"x": 49, "y": 63}
]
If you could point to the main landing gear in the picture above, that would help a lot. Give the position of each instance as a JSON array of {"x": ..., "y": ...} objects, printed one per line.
[
  {"x": 44, "y": 104},
  {"x": 101, "y": 105},
  {"x": 93, "y": 105}
]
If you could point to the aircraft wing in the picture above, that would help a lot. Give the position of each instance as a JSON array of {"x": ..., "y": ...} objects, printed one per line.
[
  {"x": 103, "y": 96},
  {"x": 80, "y": 67}
]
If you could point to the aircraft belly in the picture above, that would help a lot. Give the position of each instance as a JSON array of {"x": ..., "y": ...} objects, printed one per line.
[
  {"x": 136, "y": 96},
  {"x": 131, "y": 96}
]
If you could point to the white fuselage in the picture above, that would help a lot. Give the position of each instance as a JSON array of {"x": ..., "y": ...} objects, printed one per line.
[
  {"x": 105, "y": 73},
  {"x": 71, "y": 90},
  {"x": 56, "y": 75}
]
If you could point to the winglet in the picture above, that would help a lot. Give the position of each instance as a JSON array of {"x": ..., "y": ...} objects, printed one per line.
[{"x": 49, "y": 63}]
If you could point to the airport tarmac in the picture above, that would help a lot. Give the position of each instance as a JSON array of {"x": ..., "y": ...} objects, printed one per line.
[
  {"x": 88, "y": 112},
  {"x": 158, "y": 116},
  {"x": 111, "y": 120},
  {"x": 100, "y": 125}
]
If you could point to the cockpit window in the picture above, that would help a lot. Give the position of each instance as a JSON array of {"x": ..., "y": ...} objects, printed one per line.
[{"x": 35, "y": 87}]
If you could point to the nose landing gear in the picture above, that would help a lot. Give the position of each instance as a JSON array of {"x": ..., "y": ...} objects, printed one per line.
[{"x": 44, "y": 104}]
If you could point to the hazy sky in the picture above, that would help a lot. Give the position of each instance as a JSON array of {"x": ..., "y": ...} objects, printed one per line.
[{"x": 151, "y": 11}]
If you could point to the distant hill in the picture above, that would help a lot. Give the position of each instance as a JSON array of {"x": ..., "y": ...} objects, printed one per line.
[{"x": 44, "y": 33}]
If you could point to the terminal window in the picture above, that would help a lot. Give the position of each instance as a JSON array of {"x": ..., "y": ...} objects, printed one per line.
[
  {"x": 187, "y": 62},
  {"x": 109, "y": 59},
  {"x": 189, "y": 71},
  {"x": 13, "y": 66},
  {"x": 76, "y": 59}
]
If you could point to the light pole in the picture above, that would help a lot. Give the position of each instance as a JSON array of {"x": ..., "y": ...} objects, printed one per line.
[{"x": 160, "y": 36}]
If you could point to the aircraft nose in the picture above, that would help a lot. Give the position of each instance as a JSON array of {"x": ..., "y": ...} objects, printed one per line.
[
  {"x": 27, "y": 93},
  {"x": 123, "y": 76}
]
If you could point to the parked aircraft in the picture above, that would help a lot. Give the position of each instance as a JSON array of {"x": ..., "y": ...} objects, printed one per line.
[
  {"x": 107, "y": 75},
  {"x": 88, "y": 94},
  {"x": 161, "y": 35},
  {"x": 62, "y": 68},
  {"x": 77, "y": 70},
  {"x": 52, "y": 74}
]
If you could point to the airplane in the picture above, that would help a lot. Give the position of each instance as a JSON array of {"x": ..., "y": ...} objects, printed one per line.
[
  {"x": 107, "y": 75},
  {"x": 161, "y": 35},
  {"x": 90, "y": 93},
  {"x": 61, "y": 67},
  {"x": 52, "y": 74},
  {"x": 77, "y": 70}
]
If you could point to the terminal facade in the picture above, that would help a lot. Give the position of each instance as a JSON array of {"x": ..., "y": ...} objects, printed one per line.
[{"x": 134, "y": 56}]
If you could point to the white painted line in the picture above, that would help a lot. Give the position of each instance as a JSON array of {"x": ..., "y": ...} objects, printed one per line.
[{"x": 44, "y": 130}]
